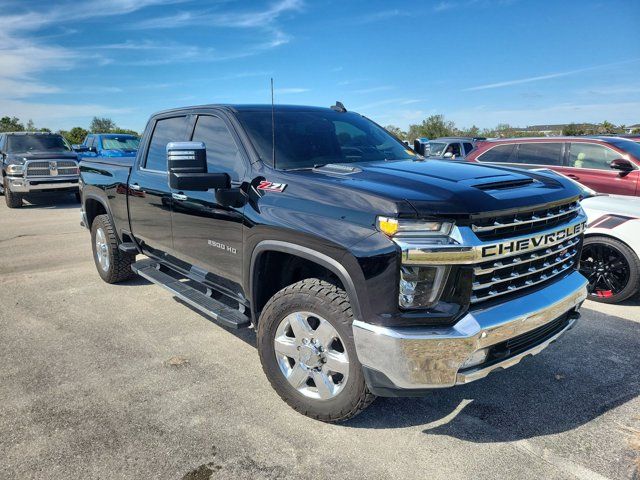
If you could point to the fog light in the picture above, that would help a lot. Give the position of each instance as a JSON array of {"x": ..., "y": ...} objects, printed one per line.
[
  {"x": 421, "y": 286},
  {"x": 476, "y": 358}
]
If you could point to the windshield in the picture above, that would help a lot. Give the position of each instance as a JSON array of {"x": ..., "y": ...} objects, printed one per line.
[
  {"x": 305, "y": 139},
  {"x": 120, "y": 143},
  {"x": 436, "y": 149},
  {"x": 627, "y": 145},
  {"x": 36, "y": 143}
]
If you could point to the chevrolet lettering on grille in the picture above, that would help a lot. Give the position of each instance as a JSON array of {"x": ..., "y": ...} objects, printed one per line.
[{"x": 532, "y": 243}]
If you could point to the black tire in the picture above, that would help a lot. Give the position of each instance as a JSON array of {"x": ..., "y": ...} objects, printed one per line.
[
  {"x": 629, "y": 268},
  {"x": 118, "y": 268},
  {"x": 13, "y": 200},
  {"x": 332, "y": 304}
]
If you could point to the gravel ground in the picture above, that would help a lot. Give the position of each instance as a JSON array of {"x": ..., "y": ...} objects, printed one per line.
[{"x": 123, "y": 381}]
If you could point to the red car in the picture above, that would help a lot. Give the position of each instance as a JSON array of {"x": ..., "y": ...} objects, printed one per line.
[{"x": 606, "y": 164}]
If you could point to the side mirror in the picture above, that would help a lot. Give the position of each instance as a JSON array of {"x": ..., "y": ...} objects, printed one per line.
[
  {"x": 79, "y": 148},
  {"x": 448, "y": 155},
  {"x": 624, "y": 166},
  {"x": 187, "y": 166}
]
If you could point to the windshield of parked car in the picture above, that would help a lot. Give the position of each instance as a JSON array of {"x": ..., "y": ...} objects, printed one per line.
[
  {"x": 627, "y": 145},
  {"x": 305, "y": 139},
  {"x": 120, "y": 143},
  {"x": 436, "y": 149},
  {"x": 36, "y": 143}
]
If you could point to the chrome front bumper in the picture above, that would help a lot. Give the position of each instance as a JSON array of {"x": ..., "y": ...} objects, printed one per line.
[
  {"x": 26, "y": 185},
  {"x": 428, "y": 357}
]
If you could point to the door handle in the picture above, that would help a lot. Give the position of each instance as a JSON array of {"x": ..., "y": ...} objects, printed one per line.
[
  {"x": 135, "y": 187},
  {"x": 571, "y": 175},
  {"x": 179, "y": 196}
]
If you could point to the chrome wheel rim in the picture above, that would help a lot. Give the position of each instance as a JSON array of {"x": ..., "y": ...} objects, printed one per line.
[
  {"x": 311, "y": 355},
  {"x": 102, "y": 250}
]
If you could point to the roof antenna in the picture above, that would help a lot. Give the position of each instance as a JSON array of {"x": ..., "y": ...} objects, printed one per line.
[
  {"x": 273, "y": 127},
  {"x": 338, "y": 107}
]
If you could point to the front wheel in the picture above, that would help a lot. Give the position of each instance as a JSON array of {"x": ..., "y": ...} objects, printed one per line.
[
  {"x": 306, "y": 347},
  {"x": 612, "y": 268},
  {"x": 113, "y": 265},
  {"x": 13, "y": 200}
]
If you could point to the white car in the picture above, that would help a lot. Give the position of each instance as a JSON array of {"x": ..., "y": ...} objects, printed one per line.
[{"x": 611, "y": 248}]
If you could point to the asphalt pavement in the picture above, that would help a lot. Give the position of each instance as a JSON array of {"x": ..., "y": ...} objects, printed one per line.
[{"x": 123, "y": 381}]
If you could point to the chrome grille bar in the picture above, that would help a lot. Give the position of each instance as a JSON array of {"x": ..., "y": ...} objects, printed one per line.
[{"x": 533, "y": 219}]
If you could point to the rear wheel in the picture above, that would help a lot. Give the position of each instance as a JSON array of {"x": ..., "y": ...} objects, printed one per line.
[
  {"x": 113, "y": 265},
  {"x": 612, "y": 268},
  {"x": 13, "y": 200},
  {"x": 306, "y": 347}
]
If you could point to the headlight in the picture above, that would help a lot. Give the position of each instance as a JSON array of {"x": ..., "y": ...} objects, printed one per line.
[
  {"x": 16, "y": 169},
  {"x": 420, "y": 285},
  {"x": 412, "y": 228}
]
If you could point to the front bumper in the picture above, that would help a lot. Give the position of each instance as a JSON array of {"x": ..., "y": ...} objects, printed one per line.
[
  {"x": 414, "y": 358},
  {"x": 41, "y": 184}
]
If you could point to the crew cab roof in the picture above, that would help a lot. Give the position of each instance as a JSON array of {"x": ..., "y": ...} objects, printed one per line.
[
  {"x": 249, "y": 108},
  {"x": 30, "y": 133}
]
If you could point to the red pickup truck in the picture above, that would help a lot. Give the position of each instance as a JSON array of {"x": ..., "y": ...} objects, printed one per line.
[{"x": 606, "y": 164}]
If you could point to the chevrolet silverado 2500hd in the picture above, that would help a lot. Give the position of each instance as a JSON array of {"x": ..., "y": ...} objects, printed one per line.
[
  {"x": 365, "y": 269},
  {"x": 36, "y": 162}
]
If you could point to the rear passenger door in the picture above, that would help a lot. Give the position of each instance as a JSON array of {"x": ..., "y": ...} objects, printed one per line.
[
  {"x": 149, "y": 194},
  {"x": 589, "y": 164}
]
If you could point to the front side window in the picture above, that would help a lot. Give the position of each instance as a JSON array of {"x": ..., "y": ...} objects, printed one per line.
[
  {"x": 436, "y": 149},
  {"x": 37, "y": 143},
  {"x": 591, "y": 155},
  {"x": 223, "y": 155},
  {"x": 305, "y": 139},
  {"x": 538, "y": 153},
  {"x": 499, "y": 154},
  {"x": 166, "y": 130}
]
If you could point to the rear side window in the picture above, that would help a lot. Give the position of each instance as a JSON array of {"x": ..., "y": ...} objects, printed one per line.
[
  {"x": 537, "y": 153},
  {"x": 166, "y": 130},
  {"x": 223, "y": 155},
  {"x": 467, "y": 148},
  {"x": 590, "y": 155},
  {"x": 499, "y": 154}
]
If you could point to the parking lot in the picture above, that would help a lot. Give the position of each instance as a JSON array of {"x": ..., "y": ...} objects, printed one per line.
[{"x": 122, "y": 381}]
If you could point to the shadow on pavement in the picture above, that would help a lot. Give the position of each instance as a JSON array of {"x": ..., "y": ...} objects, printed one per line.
[
  {"x": 55, "y": 201},
  {"x": 591, "y": 370}
]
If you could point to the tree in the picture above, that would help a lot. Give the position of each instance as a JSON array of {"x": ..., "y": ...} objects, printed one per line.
[
  {"x": 75, "y": 135},
  {"x": 31, "y": 127},
  {"x": 573, "y": 130},
  {"x": 11, "y": 124},
  {"x": 125, "y": 131},
  {"x": 396, "y": 131},
  {"x": 432, "y": 127},
  {"x": 607, "y": 127},
  {"x": 102, "y": 125},
  {"x": 472, "y": 131}
]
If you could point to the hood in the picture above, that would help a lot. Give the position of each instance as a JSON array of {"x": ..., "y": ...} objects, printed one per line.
[
  {"x": 44, "y": 155},
  {"x": 450, "y": 187},
  {"x": 613, "y": 205}
]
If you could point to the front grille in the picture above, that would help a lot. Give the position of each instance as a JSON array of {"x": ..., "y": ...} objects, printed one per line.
[
  {"x": 500, "y": 277},
  {"x": 504, "y": 226},
  {"x": 43, "y": 168}
]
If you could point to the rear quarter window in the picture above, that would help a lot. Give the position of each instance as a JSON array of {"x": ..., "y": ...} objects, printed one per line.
[{"x": 499, "y": 154}]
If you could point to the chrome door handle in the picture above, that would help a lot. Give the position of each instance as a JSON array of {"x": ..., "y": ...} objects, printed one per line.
[
  {"x": 179, "y": 196},
  {"x": 135, "y": 187}
]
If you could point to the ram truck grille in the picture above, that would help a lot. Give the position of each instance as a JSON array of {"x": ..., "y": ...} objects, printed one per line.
[
  {"x": 505, "y": 226},
  {"x": 500, "y": 277},
  {"x": 51, "y": 168}
]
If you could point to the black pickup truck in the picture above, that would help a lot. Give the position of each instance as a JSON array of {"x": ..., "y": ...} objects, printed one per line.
[{"x": 364, "y": 268}]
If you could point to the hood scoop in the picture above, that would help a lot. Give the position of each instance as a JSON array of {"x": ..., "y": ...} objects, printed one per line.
[
  {"x": 337, "y": 169},
  {"x": 505, "y": 184}
]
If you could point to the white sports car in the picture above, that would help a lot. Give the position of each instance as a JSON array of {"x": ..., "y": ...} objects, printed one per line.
[{"x": 611, "y": 249}]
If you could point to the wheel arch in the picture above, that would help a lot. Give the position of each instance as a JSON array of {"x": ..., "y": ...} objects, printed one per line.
[{"x": 320, "y": 259}]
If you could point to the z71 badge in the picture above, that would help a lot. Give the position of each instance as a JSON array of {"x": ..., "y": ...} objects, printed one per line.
[{"x": 267, "y": 186}]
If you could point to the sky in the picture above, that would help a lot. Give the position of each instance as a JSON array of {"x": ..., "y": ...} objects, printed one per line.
[{"x": 478, "y": 62}]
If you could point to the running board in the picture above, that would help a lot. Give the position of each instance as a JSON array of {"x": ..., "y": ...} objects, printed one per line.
[
  {"x": 221, "y": 313},
  {"x": 128, "y": 247}
]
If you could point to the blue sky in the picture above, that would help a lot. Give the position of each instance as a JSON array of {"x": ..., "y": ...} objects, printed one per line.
[{"x": 479, "y": 62}]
